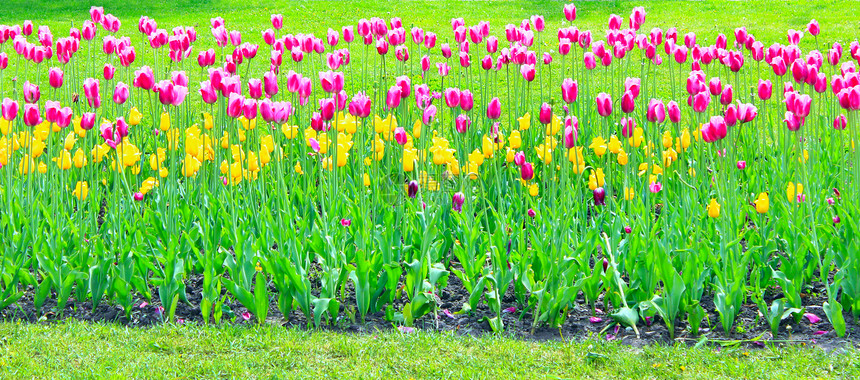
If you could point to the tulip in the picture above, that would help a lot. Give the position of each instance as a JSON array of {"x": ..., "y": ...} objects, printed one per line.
[
  {"x": 108, "y": 71},
  {"x": 327, "y": 107},
  {"x": 494, "y": 109},
  {"x": 55, "y": 77},
  {"x": 655, "y": 187},
  {"x": 742, "y": 165},
  {"x": 545, "y": 115},
  {"x": 674, "y": 112},
  {"x": 31, "y": 92},
  {"x": 120, "y": 93},
  {"x": 392, "y": 98},
  {"x": 527, "y": 172},
  {"x": 571, "y": 131},
  {"x": 462, "y": 123},
  {"x": 360, "y": 105},
  {"x": 457, "y": 201},
  {"x": 701, "y": 101},
  {"x": 840, "y": 123},
  {"x": 726, "y": 95},
  {"x": 467, "y": 100},
  {"x": 144, "y": 78},
  {"x": 570, "y": 12},
  {"x": 599, "y": 195},
  {"x": 400, "y": 136},
  {"x": 234, "y": 105},
  {"x": 731, "y": 115},
  {"x": 604, "y": 104},
  {"x": 714, "y": 209},
  {"x": 656, "y": 111},
  {"x": 88, "y": 121},
  {"x": 278, "y": 21},
  {"x": 452, "y": 97},
  {"x": 765, "y": 89},
  {"x": 32, "y": 116},
  {"x": 628, "y": 103},
  {"x": 412, "y": 189},
  {"x": 429, "y": 115},
  {"x": 10, "y": 109},
  {"x": 569, "y": 90}
]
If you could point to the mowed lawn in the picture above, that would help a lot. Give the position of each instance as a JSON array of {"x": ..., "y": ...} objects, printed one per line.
[{"x": 80, "y": 350}]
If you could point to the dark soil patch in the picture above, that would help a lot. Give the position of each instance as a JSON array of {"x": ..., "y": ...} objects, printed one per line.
[{"x": 579, "y": 324}]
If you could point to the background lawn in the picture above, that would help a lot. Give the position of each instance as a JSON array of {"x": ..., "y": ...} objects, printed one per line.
[{"x": 81, "y": 350}]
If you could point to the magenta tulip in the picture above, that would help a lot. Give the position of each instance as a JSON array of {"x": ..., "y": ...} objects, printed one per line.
[{"x": 494, "y": 109}]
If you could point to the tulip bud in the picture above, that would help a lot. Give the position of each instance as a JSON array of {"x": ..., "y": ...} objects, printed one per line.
[
  {"x": 599, "y": 195},
  {"x": 527, "y": 171},
  {"x": 412, "y": 189},
  {"x": 457, "y": 201}
]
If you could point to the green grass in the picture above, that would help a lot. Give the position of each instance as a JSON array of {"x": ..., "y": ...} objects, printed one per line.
[{"x": 81, "y": 350}]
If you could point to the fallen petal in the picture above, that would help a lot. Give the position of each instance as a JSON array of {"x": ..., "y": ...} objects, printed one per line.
[
  {"x": 448, "y": 314},
  {"x": 595, "y": 319},
  {"x": 819, "y": 332},
  {"x": 143, "y": 305},
  {"x": 510, "y": 309},
  {"x": 406, "y": 330},
  {"x": 812, "y": 318},
  {"x": 246, "y": 315}
]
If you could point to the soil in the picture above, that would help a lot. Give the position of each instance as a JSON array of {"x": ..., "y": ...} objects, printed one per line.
[{"x": 579, "y": 324}]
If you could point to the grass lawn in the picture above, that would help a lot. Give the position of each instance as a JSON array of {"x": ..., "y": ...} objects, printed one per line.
[{"x": 81, "y": 350}]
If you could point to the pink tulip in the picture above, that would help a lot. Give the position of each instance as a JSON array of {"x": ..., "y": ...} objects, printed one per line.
[
  {"x": 55, "y": 77},
  {"x": 10, "y": 109},
  {"x": 31, "y": 92},
  {"x": 360, "y": 105},
  {"x": 144, "y": 78},
  {"x": 545, "y": 114},
  {"x": 467, "y": 100},
  {"x": 628, "y": 104},
  {"x": 604, "y": 104},
  {"x": 429, "y": 115},
  {"x": 726, "y": 95},
  {"x": 32, "y": 116},
  {"x": 255, "y": 88},
  {"x": 207, "y": 92},
  {"x": 792, "y": 121},
  {"x": 462, "y": 123},
  {"x": 494, "y": 109},
  {"x": 731, "y": 115},
  {"x": 628, "y": 125},
  {"x": 570, "y": 12},
  {"x": 765, "y": 89},
  {"x": 120, "y": 93},
  {"x": 590, "y": 60},
  {"x": 571, "y": 131},
  {"x": 674, "y": 112},
  {"x": 655, "y": 187},
  {"x": 656, "y": 111},
  {"x": 840, "y": 123},
  {"x": 446, "y": 51},
  {"x": 527, "y": 172},
  {"x": 392, "y": 98},
  {"x": 452, "y": 97},
  {"x": 569, "y": 90},
  {"x": 802, "y": 105},
  {"x": 400, "y": 136}
]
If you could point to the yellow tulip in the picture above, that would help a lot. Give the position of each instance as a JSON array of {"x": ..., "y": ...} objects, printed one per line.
[
  {"x": 792, "y": 191},
  {"x": 622, "y": 158},
  {"x": 762, "y": 203},
  {"x": 525, "y": 121},
  {"x": 515, "y": 139},
  {"x": 714, "y": 209},
  {"x": 134, "y": 116},
  {"x": 598, "y": 145},
  {"x": 629, "y": 194},
  {"x": 165, "y": 121},
  {"x": 79, "y": 159},
  {"x": 574, "y": 155},
  {"x": 614, "y": 144},
  {"x": 64, "y": 161},
  {"x": 81, "y": 190},
  {"x": 533, "y": 189}
]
